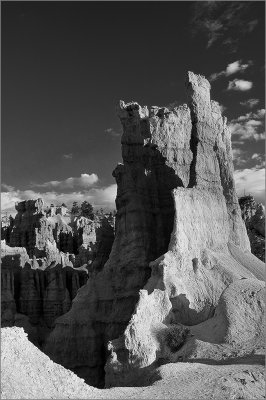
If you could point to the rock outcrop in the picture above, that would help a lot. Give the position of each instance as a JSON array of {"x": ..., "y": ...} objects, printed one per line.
[
  {"x": 6, "y": 227},
  {"x": 40, "y": 273},
  {"x": 27, "y": 373},
  {"x": 254, "y": 216},
  {"x": 46, "y": 234},
  {"x": 36, "y": 290},
  {"x": 180, "y": 242}
]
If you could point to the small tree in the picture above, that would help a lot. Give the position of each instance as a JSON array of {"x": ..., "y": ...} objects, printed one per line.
[
  {"x": 175, "y": 336},
  {"x": 87, "y": 210},
  {"x": 63, "y": 205},
  {"x": 75, "y": 210}
]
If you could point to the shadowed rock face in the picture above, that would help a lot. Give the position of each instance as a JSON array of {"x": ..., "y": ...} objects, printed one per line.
[
  {"x": 34, "y": 294},
  {"x": 179, "y": 241},
  {"x": 39, "y": 281}
]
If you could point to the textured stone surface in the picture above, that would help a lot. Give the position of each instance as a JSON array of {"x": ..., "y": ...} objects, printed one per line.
[
  {"x": 254, "y": 216},
  {"x": 27, "y": 373},
  {"x": 35, "y": 289},
  {"x": 179, "y": 236},
  {"x": 42, "y": 287},
  {"x": 32, "y": 230},
  {"x": 6, "y": 227},
  {"x": 47, "y": 234}
]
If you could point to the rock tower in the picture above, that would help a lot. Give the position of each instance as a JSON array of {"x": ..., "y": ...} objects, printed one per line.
[{"x": 180, "y": 241}]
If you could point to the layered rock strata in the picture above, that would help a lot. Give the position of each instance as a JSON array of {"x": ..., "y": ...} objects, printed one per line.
[
  {"x": 180, "y": 241},
  {"x": 40, "y": 280},
  {"x": 38, "y": 291}
]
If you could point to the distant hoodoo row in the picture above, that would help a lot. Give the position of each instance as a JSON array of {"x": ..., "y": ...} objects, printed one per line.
[{"x": 46, "y": 257}]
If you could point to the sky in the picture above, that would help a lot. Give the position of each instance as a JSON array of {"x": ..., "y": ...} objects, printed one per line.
[{"x": 66, "y": 65}]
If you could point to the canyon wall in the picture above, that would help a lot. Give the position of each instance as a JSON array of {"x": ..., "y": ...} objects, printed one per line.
[
  {"x": 40, "y": 273},
  {"x": 180, "y": 241}
]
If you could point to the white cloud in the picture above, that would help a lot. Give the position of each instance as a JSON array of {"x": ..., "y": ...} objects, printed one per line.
[
  {"x": 83, "y": 182},
  {"x": 248, "y": 126},
  {"x": 68, "y": 156},
  {"x": 251, "y": 25},
  {"x": 98, "y": 197},
  {"x": 259, "y": 114},
  {"x": 6, "y": 188},
  {"x": 251, "y": 181},
  {"x": 217, "y": 20},
  {"x": 112, "y": 132},
  {"x": 8, "y": 200},
  {"x": 259, "y": 159},
  {"x": 250, "y": 103},
  {"x": 246, "y": 130},
  {"x": 253, "y": 122},
  {"x": 239, "y": 157},
  {"x": 103, "y": 196},
  {"x": 236, "y": 67},
  {"x": 231, "y": 69},
  {"x": 239, "y": 85}
]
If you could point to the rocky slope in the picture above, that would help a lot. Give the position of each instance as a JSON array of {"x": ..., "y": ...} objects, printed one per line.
[
  {"x": 27, "y": 373},
  {"x": 180, "y": 243},
  {"x": 254, "y": 216}
]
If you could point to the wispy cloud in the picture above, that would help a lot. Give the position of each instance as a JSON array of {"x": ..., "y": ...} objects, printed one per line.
[
  {"x": 259, "y": 159},
  {"x": 83, "y": 182},
  {"x": 251, "y": 25},
  {"x": 112, "y": 132},
  {"x": 224, "y": 22},
  {"x": 231, "y": 69},
  {"x": 68, "y": 156},
  {"x": 249, "y": 126},
  {"x": 239, "y": 85},
  {"x": 239, "y": 157},
  {"x": 247, "y": 130},
  {"x": 251, "y": 181},
  {"x": 250, "y": 103},
  {"x": 6, "y": 188},
  {"x": 259, "y": 114}
]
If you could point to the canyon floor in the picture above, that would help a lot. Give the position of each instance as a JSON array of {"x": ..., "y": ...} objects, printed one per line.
[{"x": 27, "y": 373}]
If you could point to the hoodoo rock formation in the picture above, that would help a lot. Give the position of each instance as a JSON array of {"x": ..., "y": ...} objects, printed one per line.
[
  {"x": 180, "y": 252},
  {"x": 254, "y": 216},
  {"x": 40, "y": 273}
]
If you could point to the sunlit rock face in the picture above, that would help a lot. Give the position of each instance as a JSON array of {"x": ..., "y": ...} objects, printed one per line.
[
  {"x": 180, "y": 241},
  {"x": 254, "y": 216}
]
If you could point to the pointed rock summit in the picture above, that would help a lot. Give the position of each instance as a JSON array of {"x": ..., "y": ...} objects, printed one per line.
[{"x": 180, "y": 245}]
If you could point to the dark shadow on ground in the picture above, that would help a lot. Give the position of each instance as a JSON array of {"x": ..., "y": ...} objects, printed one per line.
[{"x": 251, "y": 359}]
